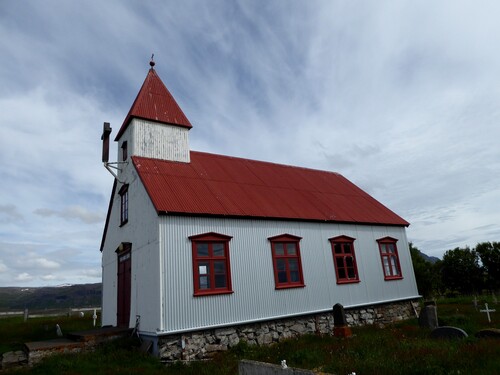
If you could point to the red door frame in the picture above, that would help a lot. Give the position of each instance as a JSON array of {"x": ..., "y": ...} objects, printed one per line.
[{"x": 124, "y": 278}]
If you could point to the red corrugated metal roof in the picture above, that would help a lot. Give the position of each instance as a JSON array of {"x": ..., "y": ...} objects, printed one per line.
[
  {"x": 154, "y": 102},
  {"x": 234, "y": 187}
]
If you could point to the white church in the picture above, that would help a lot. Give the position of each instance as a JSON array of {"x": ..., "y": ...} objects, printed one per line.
[{"x": 201, "y": 251}]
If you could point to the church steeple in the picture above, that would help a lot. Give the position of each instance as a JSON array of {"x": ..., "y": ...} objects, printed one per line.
[
  {"x": 155, "y": 126},
  {"x": 155, "y": 103}
]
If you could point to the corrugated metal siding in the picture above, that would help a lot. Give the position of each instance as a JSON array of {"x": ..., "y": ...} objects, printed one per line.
[
  {"x": 142, "y": 231},
  {"x": 154, "y": 102},
  {"x": 159, "y": 141},
  {"x": 254, "y": 296},
  {"x": 221, "y": 185}
]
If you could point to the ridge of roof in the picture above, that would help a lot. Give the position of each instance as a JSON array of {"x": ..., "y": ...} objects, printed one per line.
[
  {"x": 155, "y": 103},
  {"x": 227, "y": 186}
]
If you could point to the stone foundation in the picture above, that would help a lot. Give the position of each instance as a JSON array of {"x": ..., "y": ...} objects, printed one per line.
[{"x": 204, "y": 344}]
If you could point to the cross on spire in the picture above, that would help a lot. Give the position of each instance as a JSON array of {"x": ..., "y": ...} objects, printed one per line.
[{"x": 152, "y": 63}]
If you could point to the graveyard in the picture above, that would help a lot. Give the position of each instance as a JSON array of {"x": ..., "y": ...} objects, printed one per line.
[{"x": 403, "y": 348}]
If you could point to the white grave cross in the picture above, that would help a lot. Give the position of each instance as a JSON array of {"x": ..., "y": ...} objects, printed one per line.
[
  {"x": 474, "y": 301},
  {"x": 487, "y": 311}
]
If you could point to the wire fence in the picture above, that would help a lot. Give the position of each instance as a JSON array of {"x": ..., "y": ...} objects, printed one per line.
[{"x": 50, "y": 312}]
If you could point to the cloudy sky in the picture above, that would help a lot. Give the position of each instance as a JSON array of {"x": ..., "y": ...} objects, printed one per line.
[{"x": 401, "y": 97}]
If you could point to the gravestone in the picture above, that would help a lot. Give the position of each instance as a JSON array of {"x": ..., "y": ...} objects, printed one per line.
[
  {"x": 428, "y": 317},
  {"x": 489, "y": 333},
  {"x": 339, "y": 319},
  {"x": 487, "y": 310},
  {"x": 448, "y": 332},
  {"x": 340, "y": 327}
]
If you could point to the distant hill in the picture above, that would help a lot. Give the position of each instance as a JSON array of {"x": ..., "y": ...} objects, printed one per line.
[
  {"x": 82, "y": 295},
  {"x": 428, "y": 258}
]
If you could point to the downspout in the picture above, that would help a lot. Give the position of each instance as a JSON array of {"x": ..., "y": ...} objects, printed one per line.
[{"x": 162, "y": 276}]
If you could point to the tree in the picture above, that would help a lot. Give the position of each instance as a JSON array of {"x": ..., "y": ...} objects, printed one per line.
[
  {"x": 424, "y": 273},
  {"x": 460, "y": 271},
  {"x": 489, "y": 253}
]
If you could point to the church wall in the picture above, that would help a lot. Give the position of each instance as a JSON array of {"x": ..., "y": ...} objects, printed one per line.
[
  {"x": 141, "y": 231},
  {"x": 255, "y": 297}
]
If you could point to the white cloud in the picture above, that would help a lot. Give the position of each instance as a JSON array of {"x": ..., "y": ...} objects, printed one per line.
[
  {"x": 94, "y": 273},
  {"x": 72, "y": 212},
  {"x": 24, "y": 277},
  {"x": 49, "y": 277},
  {"x": 46, "y": 263}
]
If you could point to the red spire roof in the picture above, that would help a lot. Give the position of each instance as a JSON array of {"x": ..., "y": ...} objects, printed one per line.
[{"x": 155, "y": 103}]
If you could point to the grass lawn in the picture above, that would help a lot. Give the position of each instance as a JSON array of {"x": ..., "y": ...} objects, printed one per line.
[{"x": 402, "y": 348}]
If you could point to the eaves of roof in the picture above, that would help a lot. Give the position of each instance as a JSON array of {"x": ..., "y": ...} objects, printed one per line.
[{"x": 108, "y": 215}]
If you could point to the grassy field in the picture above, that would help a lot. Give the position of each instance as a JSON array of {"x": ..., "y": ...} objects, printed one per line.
[
  {"x": 14, "y": 331},
  {"x": 402, "y": 348}
]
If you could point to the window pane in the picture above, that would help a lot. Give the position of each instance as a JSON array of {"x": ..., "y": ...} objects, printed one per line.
[
  {"x": 281, "y": 265},
  {"x": 124, "y": 207},
  {"x": 293, "y": 264},
  {"x": 384, "y": 248},
  {"x": 391, "y": 248},
  {"x": 202, "y": 249},
  {"x": 220, "y": 267},
  {"x": 282, "y": 277},
  {"x": 294, "y": 276},
  {"x": 349, "y": 262},
  {"x": 341, "y": 273},
  {"x": 339, "y": 261},
  {"x": 387, "y": 270},
  {"x": 394, "y": 266},
  {"x": 350, "y": 273},
  {"x": 203, "y": 269},
  {"x": 218, "y": 249},
  {"x": 337, "y": 248},
  {"x": 220, "y": 281},
  {"x": 347, "y": 248},
  {"x": 291, "y": 249},
  {"x": 204, "y": 282},
  {"x": 278, "y": 249}
]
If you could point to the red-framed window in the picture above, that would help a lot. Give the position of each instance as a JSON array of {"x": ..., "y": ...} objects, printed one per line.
[
  {"x": 211, "y": 264},
  {"x": 286, "y": 261},
  {"x": 390, "y": 258},
  {"x": 123, "y": 204},
  {"x": 344, "y": 259}
]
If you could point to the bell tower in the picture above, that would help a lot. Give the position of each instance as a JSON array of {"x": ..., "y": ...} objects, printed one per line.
[{"x": 155, "y": 127}]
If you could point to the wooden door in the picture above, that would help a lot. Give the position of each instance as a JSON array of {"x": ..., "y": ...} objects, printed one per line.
[{"x": 124, "y": 286}]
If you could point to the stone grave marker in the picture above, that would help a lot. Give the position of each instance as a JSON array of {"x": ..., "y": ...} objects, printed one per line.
[
  {"x": 489, "y": 333},
  {"x": 487, "y": 310},
  {"x": 428, "y": 317},
  {"x": 339, "y": 319},
  {"x": 340, "y": 327},
  {"x": 448, "y": 332}
]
